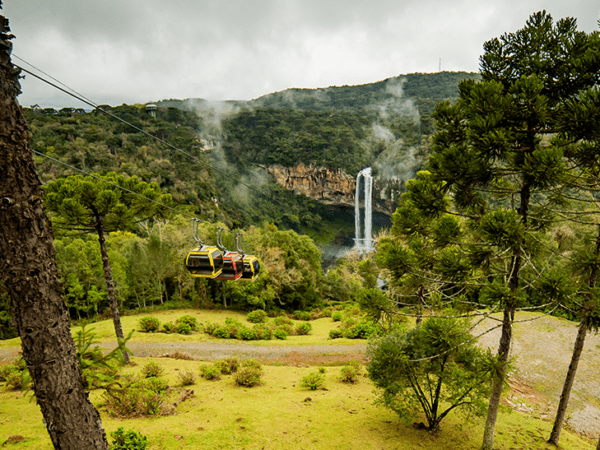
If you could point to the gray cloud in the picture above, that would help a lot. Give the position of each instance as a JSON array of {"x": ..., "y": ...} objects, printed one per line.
[{"x": 116, "y": 51}]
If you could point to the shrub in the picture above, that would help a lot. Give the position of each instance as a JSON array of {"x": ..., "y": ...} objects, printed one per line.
[
  {"x": 335, "y": 334},
  {"x": 336, "y": 316},
  {"x": 128, "y": 440},
  {"x": 232, "y": 326},
  {"x": 349, "y": 374},
  {"x": 362, "y": 330},
  {"x": 183, "y": 328},
  {"x": 222, "y": 333},
  {"x": 210, "y": 328},
  {"x": 248, "y": 376},
  {"x": 263, "y": 332},
  {"x": 169, "y": 327},
  {"x": 152, "y": 369},
  {"x": 302, "y": 315},
  {"x": 313, "y": 380},
  {"x": 246, "y": 334},
  {"x": 212, "y": 372},
  {"x": 283, "y": 320},
  {"x": 189, "y": 320},
  {"x": 326, "y": 312},
  {"x": 303, "y": 328},
  {"x": 6, "y": 370},
  {"x": 148, "y": 325},
  {"x": 258, "y": 316},
  {"x": 18, "y": 380},
  {"x": 137, "y": 397},
  {"x": 228, "y": 365},
  {"x": 252, "y": 363},
  {"x": 321, "y": 369},
  {"x": 280, "y": 333},
  {"x": 186, "y": 378}
]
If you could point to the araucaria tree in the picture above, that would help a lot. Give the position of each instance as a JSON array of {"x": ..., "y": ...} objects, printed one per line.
[
  {"x": 435, "y": 367},
  {"x": 503, "y": 151},
  {"x": 29, "y": 274},
  {"x": 101, "y": 204}
]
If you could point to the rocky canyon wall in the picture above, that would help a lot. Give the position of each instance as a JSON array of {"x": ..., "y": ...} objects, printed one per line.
[{"x": 328, "y": 186}]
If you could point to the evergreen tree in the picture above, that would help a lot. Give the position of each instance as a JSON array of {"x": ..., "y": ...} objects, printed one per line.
[
  {"x": 101, "y": 204},
  {"x": 501, "y": 149}
]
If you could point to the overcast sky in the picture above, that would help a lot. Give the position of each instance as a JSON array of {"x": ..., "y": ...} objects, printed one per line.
[{"x": 136, "y": 51}]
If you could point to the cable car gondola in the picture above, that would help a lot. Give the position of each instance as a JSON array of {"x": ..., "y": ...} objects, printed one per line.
[
  {"x": 204, "y": 261},
  {"x": 233, "y": 264},
  {"x": 251, "y": 264}
]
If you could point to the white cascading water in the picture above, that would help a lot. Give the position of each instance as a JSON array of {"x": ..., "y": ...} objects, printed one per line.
[{"x": 364, "y": 243}]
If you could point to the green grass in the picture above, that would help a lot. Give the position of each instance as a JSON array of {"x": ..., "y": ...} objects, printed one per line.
[{"x": 278, "y": 415}]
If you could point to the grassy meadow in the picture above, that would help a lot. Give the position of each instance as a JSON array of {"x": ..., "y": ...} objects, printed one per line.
[{"x": 278, "y": 414}]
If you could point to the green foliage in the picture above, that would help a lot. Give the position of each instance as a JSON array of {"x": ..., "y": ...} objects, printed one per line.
[
  {"x": 188, "y": 320},
  {"x": 169, "y": 327},
  {"x": 337, "y": 316},
  {"x": 183, "y": 328},
  {"x": 148, "y": 324},
  {"x": 128, "y": 440},
  {"x": 281, "y": 333},
  {"x": 349, "y": 374},
  {"x": 313, "y": 381},
  {"x": 99, "y": 370},
  {"x": 136, "y": 397},
  {"x": 250, "y": 374},
  {"x": 303, "y": 328},
  {"x": 186, "y": 378},
  {"x": 257, "y": 316},
  {"x": 336, "y": 333},
  {"x": 432, "y": 367},
  {"x": 246, "y": 334},
  {"x": 152, "y": 370},
  {"x": 302, "y": 315},
  {"x": 228, "y": 365},
  {"x": 211, "y": 372}
]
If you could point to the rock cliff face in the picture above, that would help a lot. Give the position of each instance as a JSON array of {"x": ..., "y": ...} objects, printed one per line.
[{"x": 328, "y": 186}]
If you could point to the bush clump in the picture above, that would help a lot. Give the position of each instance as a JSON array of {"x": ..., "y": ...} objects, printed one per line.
[
  {"x": 337, "y": 316},
  {"x": 301, "y": 315},
  {"x": 263, "y": 332},
  {"x": 258, "y": 316},
  {"x": 336, "y": 334},
  {"x": 137, "y": 397},
  {"x": 191, "y": 321},
  {"x": 148, "y": 324},
  {"x": 186, "y": 378},
  {"x": 280, "y": 333},
  {"x": 302, "y": 329},
  {"x": 250, "y": 374},
  {"x": 228, "y": 365},
  {"x": 349, "y": 373},
  {"x": 152, "y": 370},
  {"x": 128, "y": 440},
  {"x": 212, "y": 372},
  {"x": 313, "y": 380},
  {"x": 246, "y": 334},
  {"x": 168, "y": 327},
  {"x": 183, "y": 328}
]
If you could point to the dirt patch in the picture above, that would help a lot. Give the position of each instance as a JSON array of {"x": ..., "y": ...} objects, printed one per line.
[{"x": 13, "y": 440}]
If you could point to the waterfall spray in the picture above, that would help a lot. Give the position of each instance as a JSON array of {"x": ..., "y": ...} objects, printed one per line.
[{"x": 363, "y": 243}]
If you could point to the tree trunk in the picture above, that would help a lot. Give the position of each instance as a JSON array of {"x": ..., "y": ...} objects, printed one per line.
[
  {"x": 498, "y": 380},
  {"x": 28, "y": 270},
  {"x": 110, "y": 288},
  {"x": 566, "y": 392}
]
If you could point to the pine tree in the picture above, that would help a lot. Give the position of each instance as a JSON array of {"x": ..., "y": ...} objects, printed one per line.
[
  {"x": 504, "y": 154},
  {"x": 101, "y": 204}
]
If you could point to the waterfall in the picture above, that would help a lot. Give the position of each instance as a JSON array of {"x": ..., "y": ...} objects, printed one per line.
[{"x": 364, "y": 243}]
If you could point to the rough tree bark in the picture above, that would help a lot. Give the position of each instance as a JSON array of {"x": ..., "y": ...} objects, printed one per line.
[{"x": 28, "y": 270}]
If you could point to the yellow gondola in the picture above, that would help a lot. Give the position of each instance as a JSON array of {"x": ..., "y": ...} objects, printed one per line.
[
  {"x": 204, "y": 261},
  {"x": 251, "y": 264}
]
